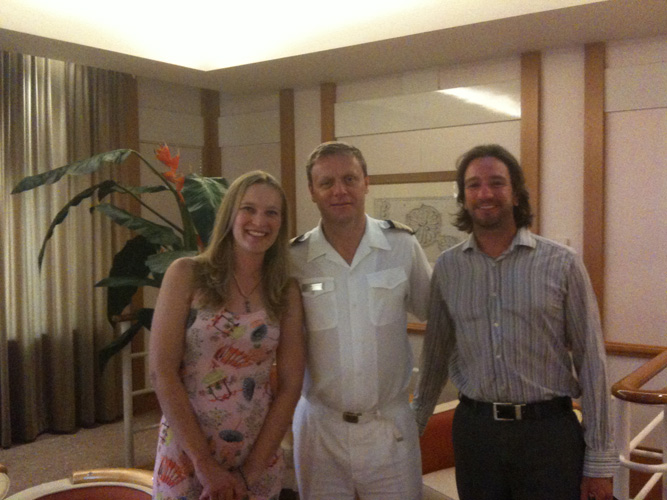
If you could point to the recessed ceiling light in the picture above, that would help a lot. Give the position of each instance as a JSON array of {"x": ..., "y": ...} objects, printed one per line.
[{"x": 213, "y": 34}]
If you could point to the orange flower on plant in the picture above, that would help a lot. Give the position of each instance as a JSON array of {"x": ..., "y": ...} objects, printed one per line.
[
  {"x": 176, "y": 179},
  {"x": 164, "y": 155}
]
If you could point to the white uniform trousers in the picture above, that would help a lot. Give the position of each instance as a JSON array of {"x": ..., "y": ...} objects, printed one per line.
[{"x": 377, "y": 457}]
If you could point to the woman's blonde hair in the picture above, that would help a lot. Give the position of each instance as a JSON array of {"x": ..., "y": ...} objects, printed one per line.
[{"x": 216, "y": 262}]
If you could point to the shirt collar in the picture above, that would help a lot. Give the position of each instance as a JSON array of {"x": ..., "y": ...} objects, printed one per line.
[
  {"x": 318, "y": 244},
  {"x": 373, "y": 237},
  {"x": 523, "y": 237}
]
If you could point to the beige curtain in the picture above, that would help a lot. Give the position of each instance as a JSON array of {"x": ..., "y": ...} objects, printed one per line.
[{"x": 53, "y": 322}]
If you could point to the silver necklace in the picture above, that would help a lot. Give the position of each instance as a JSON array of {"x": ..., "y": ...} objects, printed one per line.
[{"x": 246, "y": 297}]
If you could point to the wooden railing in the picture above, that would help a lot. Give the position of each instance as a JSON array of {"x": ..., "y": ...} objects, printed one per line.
[
  {"x": 629, "y": 391},
  {"x": 630, "y": 388}
]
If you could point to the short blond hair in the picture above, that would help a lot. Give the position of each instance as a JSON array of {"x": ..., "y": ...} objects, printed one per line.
[{"x": 333, "y": 148}]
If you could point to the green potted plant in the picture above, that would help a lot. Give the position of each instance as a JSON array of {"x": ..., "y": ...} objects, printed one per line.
[{"x": 145, "y": 257}]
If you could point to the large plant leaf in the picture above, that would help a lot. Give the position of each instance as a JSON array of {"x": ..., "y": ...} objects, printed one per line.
[
  {"x": 203, "y": 196},
  {"x": 136, "y": 190},
  {"x": 128, "y": 264},
  {"x": 159, "y": 262},
  {"x": 62, "y": 214},
  {"x": 144, "y": 318},
  {"x": 81, "y": 167},
  {"x": 155, "y": 233}
]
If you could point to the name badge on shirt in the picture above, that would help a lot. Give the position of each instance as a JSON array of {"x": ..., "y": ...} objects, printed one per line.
[
  {"x": 316, "y": 286},
  {"x": 312, "y": 287}
]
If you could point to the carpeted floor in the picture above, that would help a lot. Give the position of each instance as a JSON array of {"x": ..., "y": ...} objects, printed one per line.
[{"x": 52, "y": 457}]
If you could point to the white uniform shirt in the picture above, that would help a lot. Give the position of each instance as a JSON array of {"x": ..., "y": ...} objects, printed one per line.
[{"x": 359, "y": 358}]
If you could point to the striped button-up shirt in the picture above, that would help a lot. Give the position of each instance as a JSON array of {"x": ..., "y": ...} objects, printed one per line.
[{"x": 512, "y": 328}]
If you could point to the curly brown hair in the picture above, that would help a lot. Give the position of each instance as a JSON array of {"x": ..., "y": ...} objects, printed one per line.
[{"x": 523, "y": 215}]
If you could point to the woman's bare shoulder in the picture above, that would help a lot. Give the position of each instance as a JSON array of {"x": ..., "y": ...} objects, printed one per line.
[
  {"x": 184, "y": 269},
  {"x": 184, "y": 263}
]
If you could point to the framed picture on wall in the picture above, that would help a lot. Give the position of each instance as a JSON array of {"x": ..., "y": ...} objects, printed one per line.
[{"x": 424, "y": 201}]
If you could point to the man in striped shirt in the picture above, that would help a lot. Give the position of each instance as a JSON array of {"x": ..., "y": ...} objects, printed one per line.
[{"x": 514, "y": 322}]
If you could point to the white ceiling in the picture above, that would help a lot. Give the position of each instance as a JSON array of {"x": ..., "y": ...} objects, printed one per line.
[{"x": 339, "y": 41}]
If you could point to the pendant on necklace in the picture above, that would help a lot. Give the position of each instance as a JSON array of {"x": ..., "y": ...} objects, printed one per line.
[{"x": 246, "y": 297}]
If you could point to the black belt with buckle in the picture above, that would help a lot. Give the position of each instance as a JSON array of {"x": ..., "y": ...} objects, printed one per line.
[
  {"x": 510, "y": 411},
  {"x": 351, "y": 417}
]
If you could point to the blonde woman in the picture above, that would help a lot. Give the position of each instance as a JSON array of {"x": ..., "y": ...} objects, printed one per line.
[{"x": 221, "y": 320}]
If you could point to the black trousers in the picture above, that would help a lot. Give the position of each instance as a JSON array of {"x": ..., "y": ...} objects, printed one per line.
[{"x": 517, "y": 460}]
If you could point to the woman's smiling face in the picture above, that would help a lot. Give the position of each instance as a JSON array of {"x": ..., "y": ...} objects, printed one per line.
[{"x": 258, "y": 219}]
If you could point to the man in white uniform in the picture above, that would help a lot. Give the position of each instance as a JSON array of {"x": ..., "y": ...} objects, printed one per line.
[{"x": 354, "y": 430}]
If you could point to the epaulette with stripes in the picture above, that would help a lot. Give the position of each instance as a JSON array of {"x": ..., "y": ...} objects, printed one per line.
[
  {"x": 298, "y": 239},
  {"x": 392, "y": 224}
]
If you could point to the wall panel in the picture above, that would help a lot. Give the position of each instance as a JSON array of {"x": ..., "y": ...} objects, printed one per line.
[
  {"x": 635, "y": 185},
  {"x": 249, "y": 131},
  {"x": 636, "y": 238},
  {"x": 260, "y": 127},
  {"x": 167, "y": 96},
  {"x": 171, "y": 127},
  {"x": 636, "y": 87},
  {"x": 237, "y": 160},
  {"x": 431, "y": 150},
  {"x": 561, "y": 180}
]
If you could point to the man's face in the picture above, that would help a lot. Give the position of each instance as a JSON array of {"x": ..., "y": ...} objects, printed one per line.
[
  {"x": 339, "y": 188},
  {"x": 489, "y": 197}
]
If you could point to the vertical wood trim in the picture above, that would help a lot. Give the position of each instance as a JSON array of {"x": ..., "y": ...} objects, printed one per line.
[
  {"x": 131, "y": 135},
  {"x": 211, "y": 153},
  {"x": 531, "y": 79},
  {"x": 594, "y": 166},
  {"x": 288, "y": 155},
  {"x": 327, "y": 110}
]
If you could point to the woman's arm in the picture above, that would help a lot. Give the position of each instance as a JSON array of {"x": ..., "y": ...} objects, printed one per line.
[
  {"x": 165, "y": 356},
  {"x": 290, "y": 360}
]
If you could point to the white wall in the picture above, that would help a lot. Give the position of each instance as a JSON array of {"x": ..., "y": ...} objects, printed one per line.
[
  {"x": 249, "y": 134},
  {"x": 636, "y": 184},
  {"x": 636, "y": 234},
  {"x": 562, "y": 175}
]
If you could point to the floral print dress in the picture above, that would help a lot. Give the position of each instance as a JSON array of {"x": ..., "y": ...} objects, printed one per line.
[{"x": 226, "y": 372}]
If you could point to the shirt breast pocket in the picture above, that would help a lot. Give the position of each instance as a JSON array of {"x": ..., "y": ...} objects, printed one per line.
[
  {"x": 319, "y": 303},
  {"x": 388, "y": 289}
]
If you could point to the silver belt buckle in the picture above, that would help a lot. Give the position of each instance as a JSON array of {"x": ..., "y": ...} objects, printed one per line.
[
  {"x": 499, "y": 407},
  {"x": 351, "y": 417}
]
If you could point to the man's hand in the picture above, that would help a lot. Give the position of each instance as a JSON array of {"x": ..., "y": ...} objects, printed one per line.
[{"x": 597, "y": 488}]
